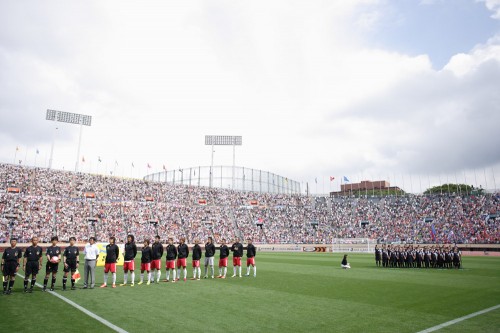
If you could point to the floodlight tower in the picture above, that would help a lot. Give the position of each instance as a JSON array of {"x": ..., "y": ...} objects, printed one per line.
[
  {"x": 222, "y": 140},
  {"x": 71, "y": 118}
]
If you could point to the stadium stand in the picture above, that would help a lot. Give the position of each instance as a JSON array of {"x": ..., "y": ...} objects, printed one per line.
[{"x": 49, "y": 202}]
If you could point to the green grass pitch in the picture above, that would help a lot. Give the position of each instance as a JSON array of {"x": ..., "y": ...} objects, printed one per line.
[{"x": 293, "y": 292}]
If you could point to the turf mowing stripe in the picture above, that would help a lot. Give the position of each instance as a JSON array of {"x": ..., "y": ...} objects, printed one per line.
[
  {"x": 454, "y": 321},
  {"x": 81, "y": 308}
]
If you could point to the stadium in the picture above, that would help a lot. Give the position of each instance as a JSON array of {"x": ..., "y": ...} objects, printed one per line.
[{"x": 363, "y": 198}]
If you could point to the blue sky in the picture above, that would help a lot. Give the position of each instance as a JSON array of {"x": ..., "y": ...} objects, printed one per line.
[{"x": 439, "y": 29}]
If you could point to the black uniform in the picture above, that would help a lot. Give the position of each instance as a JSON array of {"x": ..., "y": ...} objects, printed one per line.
[
  {"x": 224, "y": 251},
  {"x": 147, "y": 255},
  {"x": 183, "y": 251},
  {"x": 11, "y": 258},
  {"x": 251, "y": 251},
  {"x": 52, "y": 251},
  {"x": 171, "y": 252},
  {"x": 378, "y": 255},
  {"x": 130, "y": 251},
  {"x": 209, "y": 250},
  {"x": 157, "y": 250},
  {"x": 196, "y": 252},
  {"x": 237, "y": 249},
  {"x": 32, "y": 255},
  {"x": 72, "y": 257},
  {"x": 112, "y": 253}
]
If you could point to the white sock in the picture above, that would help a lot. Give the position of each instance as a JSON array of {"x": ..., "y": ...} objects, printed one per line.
[
  {"x": 179, "y": 273},
  {"x": 234, "y": 270},
  {"x": 206, "y": 270},
  {"x": 239, "y": 271},
  {"x": 185, "y": 273},
  {"x": 105, "y": 278},
  {"x": 220, "y": 271},
  {"x": 254, "y": 270},
  {"x": 168, "y": 274},
  {"x": 125, "y": 278},
  {"x": 133, "y": 277},
  {"x": 194, "y": 273},
  {"x": 114, "y": 277},
  {"x": 142, "y": 277},
  {"x": 248, "y": 270},
  {"x": 149, "y": 276},
  {"x": 225, "y": 271},
  {"x": 212, "y": 268},
  {"x": 199, "y": 272},
  {"x": 158, "y": 276},
  {"x": 173, "y": 272}
]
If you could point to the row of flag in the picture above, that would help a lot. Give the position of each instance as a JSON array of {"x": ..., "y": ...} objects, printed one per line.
[{"x": 332, "y": 178}]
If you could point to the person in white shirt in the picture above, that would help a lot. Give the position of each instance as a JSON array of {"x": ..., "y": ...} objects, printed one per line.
[{"x": 91, "y": 252}]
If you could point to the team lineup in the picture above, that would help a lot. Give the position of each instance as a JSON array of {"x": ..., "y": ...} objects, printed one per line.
[{"x": 150, "y": 267}]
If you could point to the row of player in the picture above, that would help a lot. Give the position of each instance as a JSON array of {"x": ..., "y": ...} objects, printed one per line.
[
  {"x": 176, "y": 257},
  {"x": 417, "y": 257}
]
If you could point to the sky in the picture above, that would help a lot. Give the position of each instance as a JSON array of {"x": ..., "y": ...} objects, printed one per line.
[{"x": 406, "y": 91}]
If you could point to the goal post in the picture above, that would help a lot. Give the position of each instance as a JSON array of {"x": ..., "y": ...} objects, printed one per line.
[{"x": 360, "y": 245}]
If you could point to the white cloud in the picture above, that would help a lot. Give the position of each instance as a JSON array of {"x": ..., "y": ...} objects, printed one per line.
[
  {"x": 294, "y": 78},
  {"x": 494, "y": 6}
]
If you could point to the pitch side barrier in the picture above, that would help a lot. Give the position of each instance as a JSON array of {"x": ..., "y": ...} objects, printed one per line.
[{"x": 467, "y": 249}]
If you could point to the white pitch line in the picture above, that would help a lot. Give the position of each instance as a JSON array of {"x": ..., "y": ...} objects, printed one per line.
[
  {"x": 454, "y": 321},
  {"x": 81, "y": 308}
]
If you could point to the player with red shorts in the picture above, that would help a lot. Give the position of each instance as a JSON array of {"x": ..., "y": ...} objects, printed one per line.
[
  {"x": 112, "y": 253},
  {"x": 196, "y": 260},
  {"x": 224, "y": 254},
  {"x": 251, "y": 252},
  {"x": 237, "y": 249},
  {"x": 183, "y": 253},
  {"x": 129, "y": 260},
  {"x": 157, "y": 250},
  {"x": 171, "y": 256},
  {"x": 147, "y": 254}
]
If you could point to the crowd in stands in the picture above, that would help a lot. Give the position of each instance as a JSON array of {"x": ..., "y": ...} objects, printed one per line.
[{"x": 36, "y": 201}]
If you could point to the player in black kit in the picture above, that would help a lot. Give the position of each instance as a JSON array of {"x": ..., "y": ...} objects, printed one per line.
[
  {"x": 52, "y": 266},
  {"x": 71, "y": 259},
  {"x": 32, "y": 263},
  {"x": 378, "y": 256},
  {"x": 251, "y": 253},
  {"x": 157, "y": 249},
  {"x": 10, "y": 265}
]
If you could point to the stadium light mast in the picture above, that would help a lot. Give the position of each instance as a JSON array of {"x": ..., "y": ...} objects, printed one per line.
[
  {"x": 70, "y": 118},
  {"x": 223, "y": 140}
]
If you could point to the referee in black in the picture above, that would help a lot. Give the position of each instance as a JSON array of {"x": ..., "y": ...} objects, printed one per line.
[
  {"x": 71, "y": 259},
  {"x": 32, "y": 263},
  {"x": 10, "y": 265}
]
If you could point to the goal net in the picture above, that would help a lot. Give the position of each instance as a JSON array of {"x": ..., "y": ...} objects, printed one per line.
[{"x": 353, "y": 245}]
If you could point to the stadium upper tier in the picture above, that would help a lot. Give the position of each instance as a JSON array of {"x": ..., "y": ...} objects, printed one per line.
[
  {"x": 43, "y": 202},
  {"x": 239, "y": 178}
]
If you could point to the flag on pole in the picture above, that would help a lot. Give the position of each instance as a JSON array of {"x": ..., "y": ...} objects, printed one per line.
[
  {"x": 332, "y": 178},
  {"x": 99, "y": 158},
  {"x": 83, "y": 159},
  {"x": 149, "y": 166},
  {"x": 133, "y": 165},
  {"x": 17, "y": 148},
  {"x": 346, "y": 179},
  {"x": 164, "y": 167},
  {"x": 38, "y": 152},
  {"x": 316, "y": 180},
  {"x": 116, "y": 162}
]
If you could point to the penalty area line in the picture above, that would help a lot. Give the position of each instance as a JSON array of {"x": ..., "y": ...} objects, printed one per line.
[
  {"x": 454, "y": 321},
  {"x": 82, "y": 309}
]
